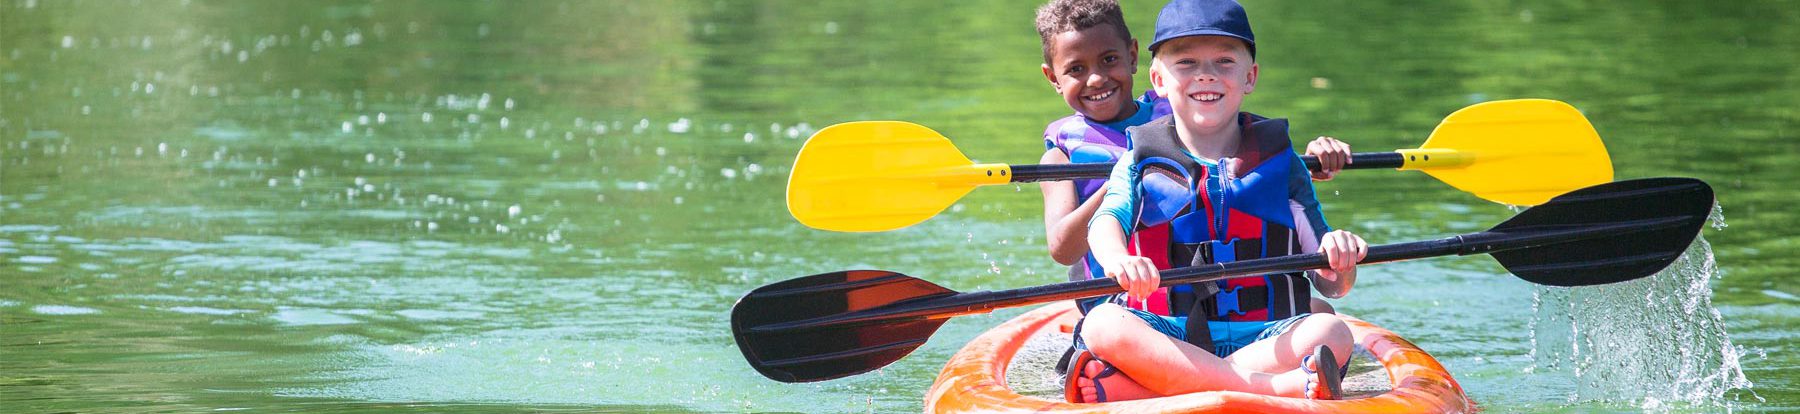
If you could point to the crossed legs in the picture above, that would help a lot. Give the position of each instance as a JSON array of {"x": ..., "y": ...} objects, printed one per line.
[{"x": 1155, "y": 364}]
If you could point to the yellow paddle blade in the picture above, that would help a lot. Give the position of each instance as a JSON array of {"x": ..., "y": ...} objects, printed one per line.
[
  {"x": 880, "y": 175},
  {"x": 1519, "y": 152}
]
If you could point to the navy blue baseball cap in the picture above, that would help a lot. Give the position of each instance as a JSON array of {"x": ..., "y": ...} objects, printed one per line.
[{"x": 1183, "y": 18}]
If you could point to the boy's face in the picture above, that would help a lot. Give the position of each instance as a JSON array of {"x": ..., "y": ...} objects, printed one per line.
[
  {"x": 1092, "y": 70},
  {"x": 1205, "y": 78}
]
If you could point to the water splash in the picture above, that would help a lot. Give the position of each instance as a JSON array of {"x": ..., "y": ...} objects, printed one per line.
[{"x": 1655, "y": 342}]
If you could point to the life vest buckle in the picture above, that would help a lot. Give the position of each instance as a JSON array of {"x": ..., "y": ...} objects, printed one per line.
[
  {"x": 1228, "y": 301},
  {"x": 1219, "y": 252}
]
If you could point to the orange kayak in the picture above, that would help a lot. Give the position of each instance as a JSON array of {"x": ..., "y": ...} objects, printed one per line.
[{"x": 975, "y": 379}]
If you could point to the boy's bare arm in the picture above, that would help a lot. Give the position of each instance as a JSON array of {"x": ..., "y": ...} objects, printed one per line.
[
  {"x": 1065, "y": 222},
  {"x": 1137, "y": 274}
]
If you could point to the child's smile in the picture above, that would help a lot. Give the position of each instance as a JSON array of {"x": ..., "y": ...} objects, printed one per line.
[
  {"x": 1102, "y": 96},
  {"x": 1211, "y": 74},
  {"x": 1091, "y": 68}
]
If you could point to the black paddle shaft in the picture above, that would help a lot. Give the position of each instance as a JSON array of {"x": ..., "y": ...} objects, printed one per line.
[
  {"x": 1027, "y": 173},
  {"x": 837, "y": 324},
  {"x": 1492, "y": 241}
]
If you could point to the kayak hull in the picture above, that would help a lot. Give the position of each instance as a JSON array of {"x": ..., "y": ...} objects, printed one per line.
[{"x": 974, "y": 380}]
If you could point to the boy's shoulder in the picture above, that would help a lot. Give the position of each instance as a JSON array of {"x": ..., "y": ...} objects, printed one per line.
[{"x": 1268, "y": 136}]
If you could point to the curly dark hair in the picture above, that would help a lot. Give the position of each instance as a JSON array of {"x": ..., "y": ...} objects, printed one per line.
[{"x": 1060, "y": 16}]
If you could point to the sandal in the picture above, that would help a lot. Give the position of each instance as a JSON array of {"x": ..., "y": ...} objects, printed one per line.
[
  {"x": 1322, "y": 384},
  {"x": 1077, "y": 366}
]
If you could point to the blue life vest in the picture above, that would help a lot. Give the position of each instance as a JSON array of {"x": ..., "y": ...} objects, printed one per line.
[{"x": 1213, "y": 216}]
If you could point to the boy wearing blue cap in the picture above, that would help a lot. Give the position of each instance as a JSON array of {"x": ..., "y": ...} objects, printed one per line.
[{"x": 1229, "y": 187}]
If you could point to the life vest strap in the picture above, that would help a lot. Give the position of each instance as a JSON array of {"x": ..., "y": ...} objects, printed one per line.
[{"x": 1241, "y": 301}]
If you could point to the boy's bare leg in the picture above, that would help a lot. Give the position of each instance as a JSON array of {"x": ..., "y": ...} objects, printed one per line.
[
  {"x": 1169, "y": 366},
  {"x": 1283, "y": 352}
]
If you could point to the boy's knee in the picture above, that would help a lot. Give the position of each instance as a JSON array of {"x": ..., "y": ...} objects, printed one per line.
[
  {"x": 1328, "y": 324},
  {"x": 1324, "y": 329},
  {"x": 1329, "y": 330},
  {"x": 1101, "y": 326}
]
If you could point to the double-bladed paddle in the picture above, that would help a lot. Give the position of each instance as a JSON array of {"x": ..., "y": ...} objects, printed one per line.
[
  {"x": 885, "y": 175},
  {"x": 837, "y": 324}
]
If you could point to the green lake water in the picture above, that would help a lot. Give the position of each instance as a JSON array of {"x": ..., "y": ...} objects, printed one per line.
[{"x": 429, "y": 206}]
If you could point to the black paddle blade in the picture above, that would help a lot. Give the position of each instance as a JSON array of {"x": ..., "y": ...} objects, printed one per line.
[
  {"x": 1657, "y": 218},
  {"x": 779, "y": 328}
]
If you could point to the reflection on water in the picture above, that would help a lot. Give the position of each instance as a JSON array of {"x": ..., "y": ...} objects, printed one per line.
[{"x": 431, "y": 206}]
